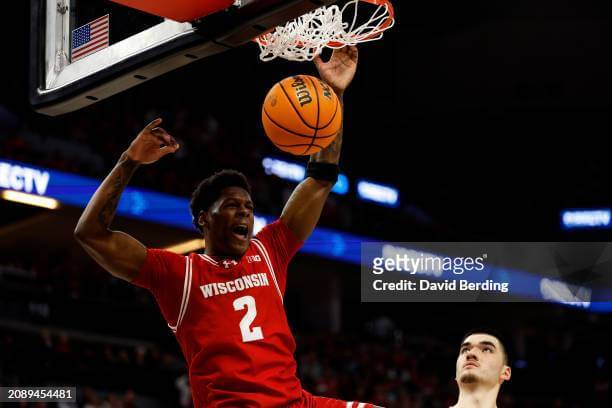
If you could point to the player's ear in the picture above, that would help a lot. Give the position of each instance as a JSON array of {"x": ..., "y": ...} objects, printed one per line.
[
  {"x": 505, "y": 374},
  {"x": 203, "y": 219}
]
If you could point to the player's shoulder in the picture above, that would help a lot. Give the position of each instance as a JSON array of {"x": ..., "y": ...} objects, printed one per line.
[
  {"x": 164, "y": 255},
  {"x": 159, "y": 264},
  {"x": 180, "y": 261},
  {"x": 278, "y": 233},
  {"x": 266, "y": 235},
  {"x": 275, "y": 228}
]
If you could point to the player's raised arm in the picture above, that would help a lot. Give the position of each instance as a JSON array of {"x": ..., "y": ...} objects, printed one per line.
[
  {"x": 117, "y": 252},
  {"x": 303, "y": 209}
]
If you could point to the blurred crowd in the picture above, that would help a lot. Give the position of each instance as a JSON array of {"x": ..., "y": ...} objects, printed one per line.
[
  {"x": 107, "y": 372},
  {"x": 106, "y": 338},
  {"x": 399, "y": 370}
]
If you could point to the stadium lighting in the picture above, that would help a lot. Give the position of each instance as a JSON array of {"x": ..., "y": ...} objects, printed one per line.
[
  {"x": 378, "y": 193},
  {"x": 258, "y": 223},
  {"x": 285, "y": 170},
  {"x": 597, "y": 218},
  {"x": 30, "y": 199},
  {"x": 342, "y": 185},
  {"x": 296, "y": 173}
]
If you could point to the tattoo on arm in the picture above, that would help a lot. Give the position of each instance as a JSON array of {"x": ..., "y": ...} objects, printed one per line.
[
  {"x": 331, "y": 154},
  {"x": 126, "y": 169}
]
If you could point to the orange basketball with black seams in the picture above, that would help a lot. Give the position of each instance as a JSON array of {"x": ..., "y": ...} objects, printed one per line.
[{"x": 301, "y": 115}]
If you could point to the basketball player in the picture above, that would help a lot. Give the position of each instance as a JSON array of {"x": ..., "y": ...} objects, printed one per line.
[
  {"x": 225, "y": 306},
  {"x": 481, "y": 369}
]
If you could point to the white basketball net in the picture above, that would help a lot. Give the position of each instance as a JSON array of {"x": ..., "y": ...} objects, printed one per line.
[{"x": 304, "y": 38}]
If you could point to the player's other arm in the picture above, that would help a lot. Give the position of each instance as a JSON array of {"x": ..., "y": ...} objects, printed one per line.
[
  {"x": 304, "y": 207},
  {"x": 117, "y": 252}
]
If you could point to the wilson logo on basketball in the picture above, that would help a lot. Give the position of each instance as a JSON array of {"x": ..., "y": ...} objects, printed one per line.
[
  {"x": 301, "y": 91},
  {"x": 306, "y": 115}
]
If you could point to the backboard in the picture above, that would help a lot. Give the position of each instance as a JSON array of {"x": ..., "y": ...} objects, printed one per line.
[{"x": 83, "y": 51}]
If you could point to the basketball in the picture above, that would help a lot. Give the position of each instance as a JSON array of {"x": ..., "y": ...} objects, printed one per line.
[{"x": 301, "y": 115}]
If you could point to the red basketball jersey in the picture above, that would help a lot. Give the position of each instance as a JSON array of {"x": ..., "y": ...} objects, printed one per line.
[{"x": 229, "y": 320}]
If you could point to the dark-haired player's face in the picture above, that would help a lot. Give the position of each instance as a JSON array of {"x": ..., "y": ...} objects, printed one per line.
[
  {"x": 481, "y": 360},
  {"x": 229, "y": 222}
]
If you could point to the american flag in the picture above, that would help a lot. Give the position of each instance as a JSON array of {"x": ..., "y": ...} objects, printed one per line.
[{"x": 90, "y": 38}]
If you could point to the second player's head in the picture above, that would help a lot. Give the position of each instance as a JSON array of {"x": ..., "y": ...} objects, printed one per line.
[
  {"x": 222, "y": 210},
  {"x": 482, "y": 361}
]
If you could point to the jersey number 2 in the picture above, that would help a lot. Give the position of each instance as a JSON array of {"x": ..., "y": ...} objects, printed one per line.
[{"x": 248, "y": 333}]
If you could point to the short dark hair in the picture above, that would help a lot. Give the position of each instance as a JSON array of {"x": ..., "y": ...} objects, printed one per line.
[
  {"x": 209, "y": 190},
  {"x": 494, "y": 333}
]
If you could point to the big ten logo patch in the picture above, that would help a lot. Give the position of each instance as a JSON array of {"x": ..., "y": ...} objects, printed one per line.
[{"x": 253, "y": 258}]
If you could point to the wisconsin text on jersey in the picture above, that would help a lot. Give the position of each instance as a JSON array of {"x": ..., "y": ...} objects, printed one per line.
[{"x": 238, "y": 284}]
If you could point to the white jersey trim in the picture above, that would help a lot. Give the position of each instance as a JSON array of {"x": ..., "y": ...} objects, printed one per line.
[
  {"x": 186, "y": 292},
  {"x": 209, "y": 259},
  {"x": 264, "y": 253}
]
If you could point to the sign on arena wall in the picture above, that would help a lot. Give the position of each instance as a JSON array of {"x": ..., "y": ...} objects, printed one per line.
[{"x": 25, "y": 179}]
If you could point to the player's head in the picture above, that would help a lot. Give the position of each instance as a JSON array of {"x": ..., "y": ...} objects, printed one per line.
[
  {"x": 483, "y": 360},
  {"x": 222, "y": 210}
]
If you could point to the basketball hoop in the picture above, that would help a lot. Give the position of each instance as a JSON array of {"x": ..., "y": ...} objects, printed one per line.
[{"x": 303, "y": 38}]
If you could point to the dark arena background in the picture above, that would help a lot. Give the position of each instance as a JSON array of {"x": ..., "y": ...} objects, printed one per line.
[{"x": 490, "y": 118}]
